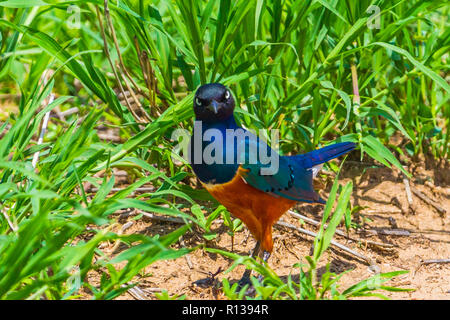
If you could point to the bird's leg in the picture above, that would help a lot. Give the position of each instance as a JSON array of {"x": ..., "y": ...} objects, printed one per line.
[
  {"x": 266, "y": 256},
  {"x": 246, "y": 276}
]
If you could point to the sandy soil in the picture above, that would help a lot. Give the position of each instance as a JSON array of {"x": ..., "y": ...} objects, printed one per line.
[{"x": 380, "y": 190}]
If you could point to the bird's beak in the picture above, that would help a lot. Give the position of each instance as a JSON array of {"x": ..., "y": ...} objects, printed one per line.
[{"x": 214, "y": 106}]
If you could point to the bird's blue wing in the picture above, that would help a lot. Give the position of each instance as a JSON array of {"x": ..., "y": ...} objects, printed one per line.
[
  {"x": 280, "y": 176},
  {"x": 291, "y": 176}
]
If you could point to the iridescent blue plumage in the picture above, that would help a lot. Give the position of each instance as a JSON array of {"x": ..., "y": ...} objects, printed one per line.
[
  {"x": 292, "y": 179},
  {"x": 215, "y": 172}
]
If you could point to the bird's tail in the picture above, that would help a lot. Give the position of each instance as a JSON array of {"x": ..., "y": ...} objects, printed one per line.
[{"x": 319, "y": 156}]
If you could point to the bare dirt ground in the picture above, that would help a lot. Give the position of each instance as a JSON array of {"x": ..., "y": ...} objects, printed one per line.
[{"x": 424, "y": 235}]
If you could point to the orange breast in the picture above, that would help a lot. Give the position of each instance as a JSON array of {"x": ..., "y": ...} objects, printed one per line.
[{"x": 257, "y": 209}]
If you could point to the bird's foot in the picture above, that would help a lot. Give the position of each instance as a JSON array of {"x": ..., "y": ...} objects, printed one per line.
[{"x": 245, "y": 280}]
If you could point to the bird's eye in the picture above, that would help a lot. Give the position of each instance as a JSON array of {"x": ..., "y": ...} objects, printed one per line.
[
  {"x": 227, "y": 94},
  {"x": 198, "y": 102}
]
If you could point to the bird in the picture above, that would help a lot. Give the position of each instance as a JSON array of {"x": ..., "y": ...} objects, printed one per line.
[{"x": 232, "y": 170}]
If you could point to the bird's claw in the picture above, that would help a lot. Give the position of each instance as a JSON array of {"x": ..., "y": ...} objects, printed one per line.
[{"x": 245, "y": 280}]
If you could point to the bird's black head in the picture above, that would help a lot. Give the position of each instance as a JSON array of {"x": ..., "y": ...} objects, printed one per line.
[{"x": 213, "y": 102}]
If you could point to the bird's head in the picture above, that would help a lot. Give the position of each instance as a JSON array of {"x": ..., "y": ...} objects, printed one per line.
[{"x": 213, "y": 102}]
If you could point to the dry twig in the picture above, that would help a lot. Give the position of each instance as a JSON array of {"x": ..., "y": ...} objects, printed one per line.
[
  {"x": 435, "y": 261},
  {"x": 186, "y": 256},
  {"x": 108, "y": 56},
  {"x": 121, "y": 65},
  {"x": 141, "y": 189},
  {"x": 388, "y": 232},
  {"x": 408, "y": 194},
  {"x": 432, "y": 203},
  {"x": 339, "y": 232},
  {"x": 334, "y": 243},
  {"x": 136, "y": 292},
  {"x": 11, "y": 225},
  {"x": 68, "y": 112},
  {"x": 161, "y": 218},
  {"x": 43, "y": 130}
]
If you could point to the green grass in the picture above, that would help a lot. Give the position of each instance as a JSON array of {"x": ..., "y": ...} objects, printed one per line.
[{"x": 292, "y": 66}]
